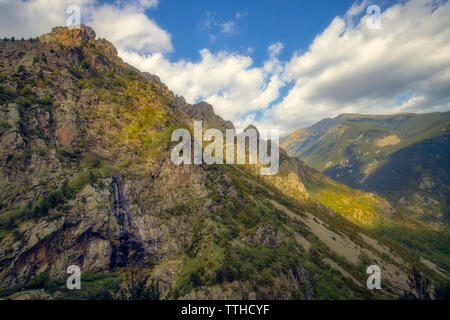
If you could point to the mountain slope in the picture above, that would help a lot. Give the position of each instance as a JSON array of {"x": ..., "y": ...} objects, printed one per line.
[
  {"x": 401, "y": 157},
  {"x": 86, "y": 179}
]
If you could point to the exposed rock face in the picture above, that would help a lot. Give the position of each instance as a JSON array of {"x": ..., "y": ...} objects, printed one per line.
[
  {"x": 296, "y": 279},
  {"x": 302, "y": 280},
  {"x": 102, "y": 231},
  {"x": 266, "y": 235},
  {"x": 86, "y": 179},
  {"x": 69, "y": 37},
  {"x": 65, "y": 134},
  {"x": 52, "y": 246},
  {"x": 130, "y": 242},
  {"x": 204, "y": 112}
]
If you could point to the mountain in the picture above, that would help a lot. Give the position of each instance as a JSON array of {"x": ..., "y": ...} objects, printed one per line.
[
  {"x": 402, "y": 157},
  {"x": 87, "y": 180}
]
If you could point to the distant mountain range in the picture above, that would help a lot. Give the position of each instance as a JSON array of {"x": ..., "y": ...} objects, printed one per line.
[{"x": 403, "y": 157}]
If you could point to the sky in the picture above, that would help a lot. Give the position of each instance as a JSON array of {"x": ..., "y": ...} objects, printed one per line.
[{"x": 282, "y": 64}]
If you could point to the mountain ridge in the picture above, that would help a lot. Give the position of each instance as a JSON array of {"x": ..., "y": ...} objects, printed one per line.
[
  {"x": 354, "y": 149},
  {"x": 87, "y": 180}
]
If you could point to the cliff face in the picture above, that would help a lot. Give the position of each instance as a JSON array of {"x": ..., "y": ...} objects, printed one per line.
[
  {"x": 86, "y": 179},
  {"x": 65, "y": 149},
  {"x": 69, "y": 37}
]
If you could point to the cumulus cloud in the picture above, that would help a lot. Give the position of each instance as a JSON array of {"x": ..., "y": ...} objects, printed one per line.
[
  {"x": 129, "y": 28},
  {"x": 402, "y": 67},
  {"x": 355, "y": 10},
  {"x": 228, "y": 81}
]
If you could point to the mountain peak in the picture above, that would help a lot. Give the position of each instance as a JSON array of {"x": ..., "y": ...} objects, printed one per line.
[
  {"x": 205, "y": 108},
  {"x": 69, "y": 37},
  {"x": 251, "y": 127}
]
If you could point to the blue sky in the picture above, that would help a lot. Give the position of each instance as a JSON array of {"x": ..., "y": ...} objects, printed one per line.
[
  {"x": 281, "y": 64},
  {"x": 295, "y": 23}
]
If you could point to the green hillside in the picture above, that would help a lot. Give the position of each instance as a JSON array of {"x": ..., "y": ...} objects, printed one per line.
[
  {"x": 86, "y": 179},
  {"x": 402, "y": 157}
]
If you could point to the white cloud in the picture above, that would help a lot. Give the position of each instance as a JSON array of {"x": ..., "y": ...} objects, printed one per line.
[
  {"x": 148, "y": 3},
  {"x": 355, "y": 10},
  {"x": 216, "y": 26},
  {"x": 228, "y": 81},
  {"x": 34, "y": 17},
  {"x": 354, "y": 69},
  {"x": 125, "y": 24},
  {"x": 130, "y": 29},
  {"x": 231, "y": 27},
  {"x": 228, "y": 27},
  {"x": 210, "y": 21},
  {"x": 275, "y": 49}
]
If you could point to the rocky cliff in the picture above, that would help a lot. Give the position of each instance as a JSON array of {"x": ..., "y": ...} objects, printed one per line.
[{"x": 86, "y": 179}]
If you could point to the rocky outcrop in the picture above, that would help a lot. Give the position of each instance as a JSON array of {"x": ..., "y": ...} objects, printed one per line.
[
  {"x": 301, "y": 279},
  {"x": 266, "y": 235},
  {"x": 69, "y": 37},
  {"x": 129, "y": 245},
  {"x": 204, "y": 112}
]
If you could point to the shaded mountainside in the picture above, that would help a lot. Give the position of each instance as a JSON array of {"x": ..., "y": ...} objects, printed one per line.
[
  {"x": 403, "y": 157},
  {"x": 86, "y": 179}
]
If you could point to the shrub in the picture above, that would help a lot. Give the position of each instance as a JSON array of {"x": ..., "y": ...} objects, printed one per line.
[
  {"x": 442, "y": 292},
  {"x": 7, "y": 95},
  {"x": 195, "y": 279},
  {"x": 47, "y": 101},
  {"x": 74, "y": 71},
  {"x": 85, "y": 64},
  {"x": 4, "y": 125},
  {"x": 68, "y": 154},
  {"x": 265, "y": 278}
]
